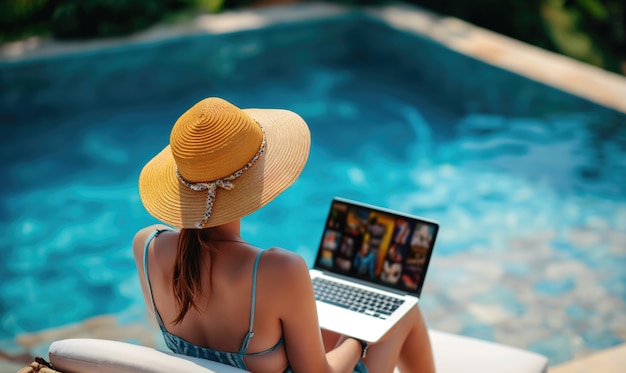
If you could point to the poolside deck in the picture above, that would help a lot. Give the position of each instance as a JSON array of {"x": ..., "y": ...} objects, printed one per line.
[{"x": 612, "y": 360}]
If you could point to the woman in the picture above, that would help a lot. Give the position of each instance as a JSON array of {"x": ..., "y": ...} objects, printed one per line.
[{"x": 215, "y": 296}]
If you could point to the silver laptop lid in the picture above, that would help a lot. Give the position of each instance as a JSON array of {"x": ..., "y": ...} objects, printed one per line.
[{"x": 383, "y": 247}]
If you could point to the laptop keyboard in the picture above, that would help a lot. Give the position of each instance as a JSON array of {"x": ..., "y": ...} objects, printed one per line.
[{"x": 354, "y": 298}]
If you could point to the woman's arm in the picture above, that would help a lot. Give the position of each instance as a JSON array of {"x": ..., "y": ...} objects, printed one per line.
[
  {"x": 139, "y": 243},
  {"x": 298, "y": 313}
]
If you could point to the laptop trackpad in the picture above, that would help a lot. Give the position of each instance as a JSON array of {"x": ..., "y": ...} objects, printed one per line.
[{"x": 361, "y": 326}]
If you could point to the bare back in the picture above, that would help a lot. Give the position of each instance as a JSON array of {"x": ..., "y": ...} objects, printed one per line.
[{"x": 221, "y": 317}]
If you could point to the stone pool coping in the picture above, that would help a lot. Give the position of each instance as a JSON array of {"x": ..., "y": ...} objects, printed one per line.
[{"x": 597, "y": 85}]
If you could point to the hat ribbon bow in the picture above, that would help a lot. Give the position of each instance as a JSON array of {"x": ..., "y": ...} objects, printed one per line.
[{"x": 224, "y": 183}]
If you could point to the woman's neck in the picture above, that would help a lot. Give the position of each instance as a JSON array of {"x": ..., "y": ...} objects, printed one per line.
[{"x": 227, "y": 232}]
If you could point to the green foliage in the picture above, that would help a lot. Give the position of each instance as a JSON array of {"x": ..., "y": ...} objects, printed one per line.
[
  {"x": 604, "y": 23},
  {"x": 14, "y": 10},
  {"x": 85, "y": 19},
  {"x": 70, "y": 19},
  {"x": 21, "y": 18},
  {"x": 209, "y": 6},
  {"x": 232, "y": 4}
]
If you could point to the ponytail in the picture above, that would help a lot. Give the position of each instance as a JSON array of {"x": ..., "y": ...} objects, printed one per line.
[{"x": 186, "y": 275}]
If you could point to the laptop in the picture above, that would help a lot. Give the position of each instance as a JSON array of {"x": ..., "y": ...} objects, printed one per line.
[{"x": 370, "y": 267}]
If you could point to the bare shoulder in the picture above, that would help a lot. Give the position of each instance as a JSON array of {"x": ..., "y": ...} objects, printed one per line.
[
  {"x": 142, "y": 235},
  {"x": 285, "y": 261},
  {"x": 284, "y": 269}
]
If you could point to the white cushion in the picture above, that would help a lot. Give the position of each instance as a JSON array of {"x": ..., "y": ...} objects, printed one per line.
[
  {"x": 82, "y": 355},
  {"x": 453, "y": 354},
  {"x": 459, "y": 354}
]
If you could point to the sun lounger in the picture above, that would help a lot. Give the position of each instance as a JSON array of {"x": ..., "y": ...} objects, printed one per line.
[{"x": 453, "y": 354}]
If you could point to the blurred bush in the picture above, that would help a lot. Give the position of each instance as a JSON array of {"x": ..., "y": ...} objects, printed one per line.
[
  {"x": 79, "y": 19},
  {"x": 593, "y": 31},
  {"x": 233, "y": 4},
  {"x": 600, "y": 24},
  {"x": 20, "y": 18},
  {"x": 95, "y": 18}
]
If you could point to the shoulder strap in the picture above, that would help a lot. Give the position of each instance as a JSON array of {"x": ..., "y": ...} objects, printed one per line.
[
  {"x": 145, "y": 271},
  {"x": 246, "y": 340}
]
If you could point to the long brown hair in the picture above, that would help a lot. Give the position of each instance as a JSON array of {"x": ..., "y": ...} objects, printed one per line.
[{"x": 186, "y": 273}]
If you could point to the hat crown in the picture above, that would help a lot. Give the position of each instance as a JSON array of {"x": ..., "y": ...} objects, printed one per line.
[{"x": 213, "y": 139}]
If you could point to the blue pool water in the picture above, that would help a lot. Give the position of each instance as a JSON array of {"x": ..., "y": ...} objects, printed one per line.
[{"x": 528, "y": 184}]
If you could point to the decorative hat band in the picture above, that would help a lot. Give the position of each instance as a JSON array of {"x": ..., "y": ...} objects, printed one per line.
[{"x": 224, "y": 183}]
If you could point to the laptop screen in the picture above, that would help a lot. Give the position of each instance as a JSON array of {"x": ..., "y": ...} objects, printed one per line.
[{"x": 377, "y": 245}]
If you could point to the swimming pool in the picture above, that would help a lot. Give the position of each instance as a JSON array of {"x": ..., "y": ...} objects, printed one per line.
[{"x": 527, "y": 181}]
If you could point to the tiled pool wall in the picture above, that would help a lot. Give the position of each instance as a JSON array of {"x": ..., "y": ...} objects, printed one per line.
[
  {"x": 163, "y": 71},
  {"x": 465, "y": 83}
]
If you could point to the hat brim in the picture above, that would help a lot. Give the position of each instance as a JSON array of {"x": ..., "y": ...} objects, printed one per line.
[{"x": 286, "y": 153}]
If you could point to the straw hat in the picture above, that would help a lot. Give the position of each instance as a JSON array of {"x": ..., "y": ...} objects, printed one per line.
[{"x": 223, "y": 163}]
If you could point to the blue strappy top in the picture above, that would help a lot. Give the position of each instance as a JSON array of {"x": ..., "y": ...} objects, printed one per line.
[{"x": 181, "y": 346}]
